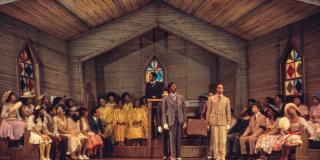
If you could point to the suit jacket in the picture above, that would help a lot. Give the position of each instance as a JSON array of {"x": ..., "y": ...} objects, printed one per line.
[
  {"x": 154, "y": 90},
  {"x": 256, "y": 125},
  {"x": 218, "y": 111},
  {"x": 170, "y": 107},
  {"x": 96, "y": 126}
]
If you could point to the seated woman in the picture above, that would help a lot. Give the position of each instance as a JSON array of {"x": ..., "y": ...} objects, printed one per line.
[
  {"x": 74, "y": 125},
  {"x": 267, "y": 140},
  {"x": 12, "y": 126},
  {"x": 37, "y": 125},
  {"x": 27, "y": 105},
  {"x": 314, "y": 120},
  {"x": 62, "y": 128},
  {"x": 291, "y": 130},
  {"x": 94, "y": 141},
  {"x": 137, "y": 118},
  {"x": 120, "y": 123}
]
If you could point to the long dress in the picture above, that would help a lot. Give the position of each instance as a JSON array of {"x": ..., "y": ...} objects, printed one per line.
[
  {"x": 106, "y": 116},
  {"x": 40, "y": 126},
  {"x": 120, "y": 123},
  {"x": 94, "y": 140},
  {"x": 74, "y": 141},
  {"x": 11, "y": 125},
  {"x": 146, "y": 121},
  {"x": 267, "y": 140},
  {"x": 292, "y": 139},
  {"x": 137, "y": 127}
]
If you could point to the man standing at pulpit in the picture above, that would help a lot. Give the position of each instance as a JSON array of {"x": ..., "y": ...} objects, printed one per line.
[
  {"x": 219, "y": 116},
  {"x": 174, "y": 119},
  {"x": 153, "y": 88}
]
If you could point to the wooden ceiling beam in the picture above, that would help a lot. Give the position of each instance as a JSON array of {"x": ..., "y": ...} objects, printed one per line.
[
  {"x": 241, "y": 18},
  {"x": 313, "y": 2},
  {"x": 74, "y": 14},
  {"x": 2, "y": 2}
]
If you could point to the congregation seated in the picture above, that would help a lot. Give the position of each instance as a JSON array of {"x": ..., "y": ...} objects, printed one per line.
[
  {"x": 138, "y": 124},
  {"x": 253, "y": 131},
  {"x": 236, "y": 131},
  {"x": 120, "y": 122},
  {"x": 39, "y": 134},
  {"x": 12, "y": 126},
  {"x": 267, "y": 140},
  {"x": 292, "y": 126},
  {"x": 314, "y": 120}
]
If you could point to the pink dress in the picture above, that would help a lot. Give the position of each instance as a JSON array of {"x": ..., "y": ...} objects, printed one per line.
[
  {"x": 94, "y": 140},
  {"x": 11, "y": 125}
]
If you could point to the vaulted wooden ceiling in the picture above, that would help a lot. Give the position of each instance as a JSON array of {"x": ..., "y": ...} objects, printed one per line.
[{"x": 248, "y": 19}]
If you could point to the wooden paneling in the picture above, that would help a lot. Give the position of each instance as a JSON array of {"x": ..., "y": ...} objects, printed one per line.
[
  {"x": 247, "y": 19},
  {"x": 68, "y": 18},
  {"x": 264, "y": 55},
  {"x": 190, "y": 66},
  {"x": 51, "y": 55},
  {"x": 119, "y": 31},
  {"x": 227, "y": 77},
  {"x": 46, "y": 15},
  {"x": 96, "y": 12}
]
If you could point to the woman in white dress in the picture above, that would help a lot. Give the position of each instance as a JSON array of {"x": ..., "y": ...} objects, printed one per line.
[{"x": 37, "y": 125}]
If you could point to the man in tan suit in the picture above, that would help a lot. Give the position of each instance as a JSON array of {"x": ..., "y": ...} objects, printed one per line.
[
  {"x": 219, "y": 116},
  {"x": 254, "y": 130}
]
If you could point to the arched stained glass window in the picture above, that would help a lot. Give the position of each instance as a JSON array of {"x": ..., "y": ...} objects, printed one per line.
[
  {"x": 26, "y": 74},
  {"x": 154, "y": 66},
  {"x": 293, "y": 75}
]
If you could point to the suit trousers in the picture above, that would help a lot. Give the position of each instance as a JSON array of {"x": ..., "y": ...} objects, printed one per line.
[
  {"x": 165, "y": 143},
  {"x": 252, "y": 144},
  {"x": 175, "y": 133},
  {"x": 219, "y": 140}
]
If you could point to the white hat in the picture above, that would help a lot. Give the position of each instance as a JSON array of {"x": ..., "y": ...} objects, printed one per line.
[{"x": 27, "y": 95}]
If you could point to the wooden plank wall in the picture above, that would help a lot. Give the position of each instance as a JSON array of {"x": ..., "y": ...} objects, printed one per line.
[
  {"x": 50, "y": 52},
  {"x": 190, "y": 66},
  {"x": 264, "y": 54},
  {"x": 117, "y": 32}
]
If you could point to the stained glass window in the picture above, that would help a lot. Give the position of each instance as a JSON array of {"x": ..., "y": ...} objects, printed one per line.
[
  {"x": 154, "y": 66},
  {"x": 26, "y": 74},
  {"x": 293, "y": 74}
]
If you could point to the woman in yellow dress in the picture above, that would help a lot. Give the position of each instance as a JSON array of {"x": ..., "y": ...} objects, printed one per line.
[
  {"x": 111, "y": 99},
  {"x": 144, "y": 105},
  {"x": 120, "y": 123},
  {"x": 106, "y": 116},
  {"x": 127, "y": 104},
  {"x": 137, "y": 118}
]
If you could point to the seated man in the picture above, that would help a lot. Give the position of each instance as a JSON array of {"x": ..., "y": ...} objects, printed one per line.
[
  {"x": 236, "y": 131},
  {"x": 253, "y": 131}
]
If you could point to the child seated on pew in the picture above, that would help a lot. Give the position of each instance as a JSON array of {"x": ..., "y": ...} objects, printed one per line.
[{"x": 39, "y": 135}]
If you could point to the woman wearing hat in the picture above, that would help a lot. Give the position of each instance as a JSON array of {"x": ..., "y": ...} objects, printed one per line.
[
  {"x": 12, "y": 126},
  {"x": 27, "y": 104},
  {"x": 315, "y": 116},
  {"x": 267, "y": 140},
  {"x": 39, "y": 135},
  {"x": 292, "y": 126}
]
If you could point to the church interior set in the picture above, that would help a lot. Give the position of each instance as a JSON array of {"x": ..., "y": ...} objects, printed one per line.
[{"x": 98, "y": 79}]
